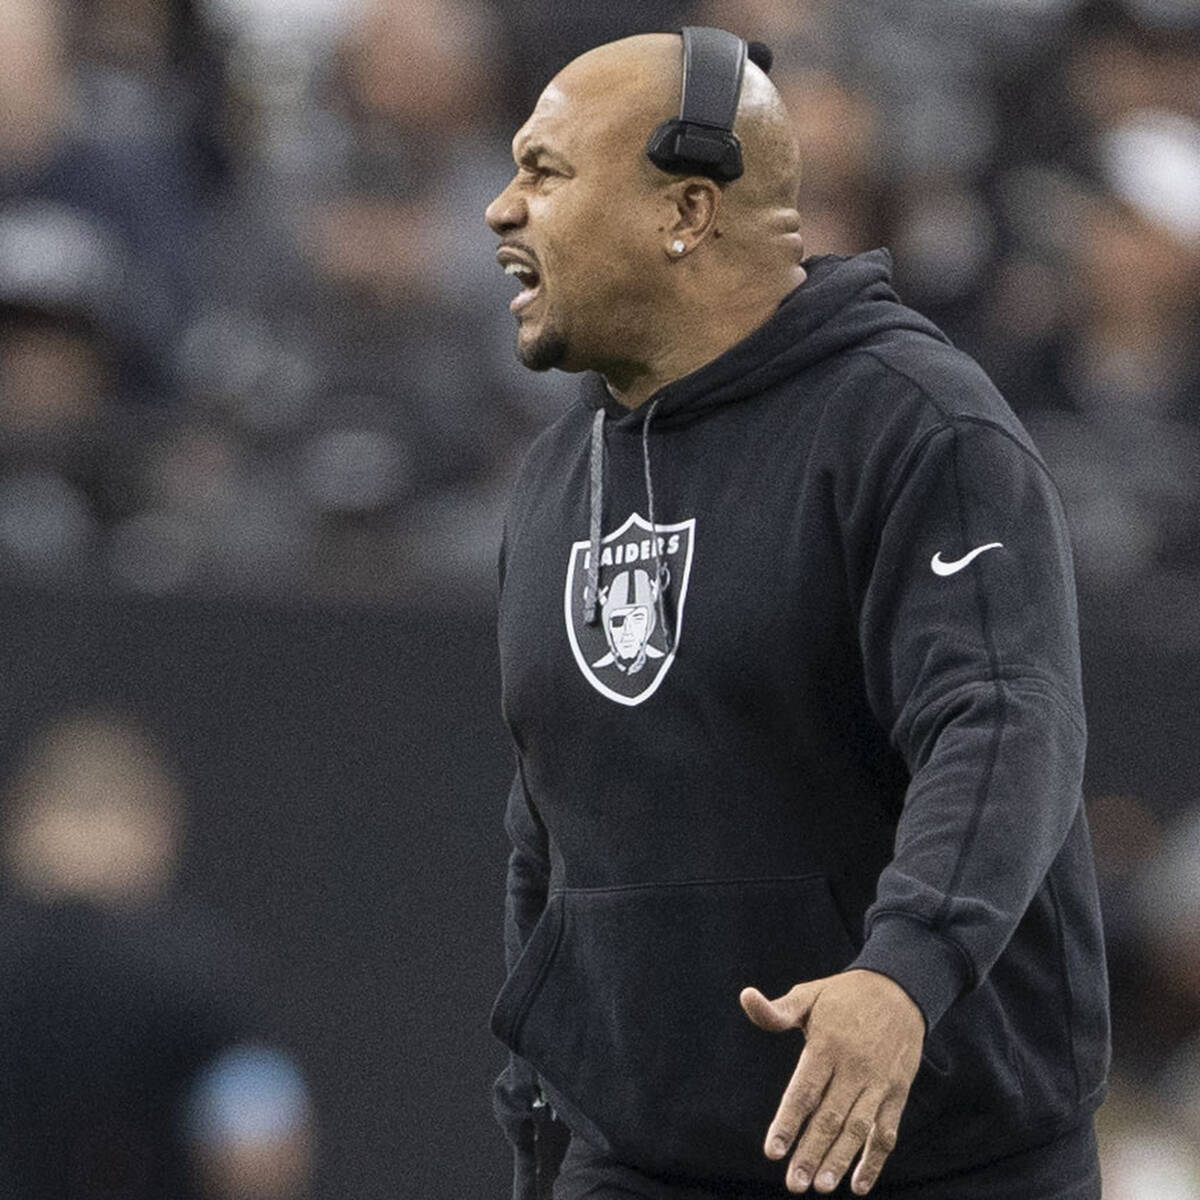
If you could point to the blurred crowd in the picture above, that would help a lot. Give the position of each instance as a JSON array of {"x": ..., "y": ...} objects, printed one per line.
[{"x": 253, "y": 340}]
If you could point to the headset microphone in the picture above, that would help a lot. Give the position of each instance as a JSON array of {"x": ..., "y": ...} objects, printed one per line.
[{"x": 701, "y": 141}]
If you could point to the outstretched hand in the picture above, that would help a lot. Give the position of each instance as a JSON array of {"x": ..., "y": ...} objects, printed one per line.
[{"x": 863, "y": 1039}]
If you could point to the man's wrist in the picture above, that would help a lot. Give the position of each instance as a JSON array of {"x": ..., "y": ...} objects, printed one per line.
[{"x": 930, "y": 968}]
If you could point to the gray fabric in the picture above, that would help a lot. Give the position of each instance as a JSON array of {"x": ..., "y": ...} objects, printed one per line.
[
  {"x": 660, "y": 582},
  {"x": 596, "y": 513}
]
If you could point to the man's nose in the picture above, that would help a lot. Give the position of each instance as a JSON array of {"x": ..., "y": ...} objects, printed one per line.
[{"x": 506, "y": 212}]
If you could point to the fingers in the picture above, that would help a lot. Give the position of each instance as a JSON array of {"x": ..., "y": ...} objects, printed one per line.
[
  {"x": 856, "y": 1130},
  {"x": 880, "y": 1144},
  {"x": 846, "y": 1095},
  {"x": 789, "y": 1011},
  {"x": 801, "y": 1098},
  {"x": 834, "y": 1134}
]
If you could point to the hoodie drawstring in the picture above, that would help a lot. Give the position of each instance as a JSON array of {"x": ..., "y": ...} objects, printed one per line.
[
  {"x": 591, "y": 596},
  {"x": 660, "y": 582}
]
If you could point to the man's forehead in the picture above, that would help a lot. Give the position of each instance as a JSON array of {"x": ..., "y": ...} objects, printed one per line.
[
  {"x": 548, "y": 126},
  {"x": 598, "y": 95}
]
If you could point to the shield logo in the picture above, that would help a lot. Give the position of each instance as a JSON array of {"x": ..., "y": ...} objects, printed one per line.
[{"x": 625, "y": 654}]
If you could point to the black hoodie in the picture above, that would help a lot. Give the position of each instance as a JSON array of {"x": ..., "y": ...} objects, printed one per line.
[{"x": 828, "y": 715}]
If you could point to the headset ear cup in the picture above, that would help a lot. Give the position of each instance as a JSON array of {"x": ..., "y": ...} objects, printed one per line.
[
  {"x": 660, "y": 149},
  {"x": 683, "y": 148}
]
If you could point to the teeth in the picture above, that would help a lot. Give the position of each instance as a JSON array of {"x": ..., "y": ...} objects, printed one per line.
[{"x": 525, "y": 274}]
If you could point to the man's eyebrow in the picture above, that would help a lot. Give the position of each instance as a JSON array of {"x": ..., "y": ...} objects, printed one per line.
[{"x": 530, "y": 152}]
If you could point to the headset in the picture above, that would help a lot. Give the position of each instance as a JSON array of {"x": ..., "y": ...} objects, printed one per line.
[{"x": 701, "y": 141}]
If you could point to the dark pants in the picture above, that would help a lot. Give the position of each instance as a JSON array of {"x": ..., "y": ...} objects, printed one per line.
[{"x": 1067, "y": 1168}]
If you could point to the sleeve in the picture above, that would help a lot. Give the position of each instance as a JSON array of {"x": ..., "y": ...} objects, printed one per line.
[
  {"x": 537, "y": 1137},
  {"x": 969, "y": 637}
]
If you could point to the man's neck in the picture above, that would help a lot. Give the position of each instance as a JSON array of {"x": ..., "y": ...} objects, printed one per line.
[{"x": 704, "y": 335}]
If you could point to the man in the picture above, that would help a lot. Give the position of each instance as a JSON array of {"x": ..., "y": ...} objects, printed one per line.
[{"x": 846, "y": 775}]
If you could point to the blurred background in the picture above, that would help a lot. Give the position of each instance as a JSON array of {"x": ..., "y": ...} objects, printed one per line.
[{"x": 259, "y": 414}]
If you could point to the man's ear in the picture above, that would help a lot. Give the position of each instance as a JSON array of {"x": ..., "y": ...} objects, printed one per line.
[{"x": 693, "y": 207}]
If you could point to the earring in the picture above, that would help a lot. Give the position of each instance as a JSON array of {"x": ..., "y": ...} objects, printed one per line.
[{"x": 677, "y": 246}]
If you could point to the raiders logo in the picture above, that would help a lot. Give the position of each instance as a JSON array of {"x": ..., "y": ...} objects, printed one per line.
[{"x": 625, "y": 654}]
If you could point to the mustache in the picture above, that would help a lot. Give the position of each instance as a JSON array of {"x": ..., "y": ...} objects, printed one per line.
[{"x": 517, "y": 244}]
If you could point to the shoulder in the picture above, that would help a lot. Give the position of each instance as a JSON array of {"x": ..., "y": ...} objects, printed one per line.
[
  {"x": 904, "y": 402},
  {"x": 899, "y": 390},
  {"x": 925, "y": 377}
]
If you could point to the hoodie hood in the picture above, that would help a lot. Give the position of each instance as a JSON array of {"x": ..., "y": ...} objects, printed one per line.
[{"x": 843, "y": 303}]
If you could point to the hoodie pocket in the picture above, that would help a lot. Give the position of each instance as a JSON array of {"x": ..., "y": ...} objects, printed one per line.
[{"x": 626, "y": 1002}]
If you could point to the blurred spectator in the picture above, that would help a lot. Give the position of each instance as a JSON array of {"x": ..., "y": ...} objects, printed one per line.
[
  {"x": 541, "y": 36},
  {"x": 357, "y": 337},
  {"x": 1150, "y": 1128},
  {"x": 96, "y": 116},
  {"x": 34, "y": 87},
  {"x": 155, "y": 72},
  {"x": 131, "y": 1063},
  {"x": 1167, "y": 902},
  {"x": 835, "y": 116},
  {"x": 65, "y": 466},
  {"x": 1134, "y": 55},
  {"x": 1093, "y": 333},
  {"x": 1145, "y": 1153}
]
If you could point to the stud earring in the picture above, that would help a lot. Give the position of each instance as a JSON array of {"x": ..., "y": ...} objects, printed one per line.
[{"x": 677, "y": 246}]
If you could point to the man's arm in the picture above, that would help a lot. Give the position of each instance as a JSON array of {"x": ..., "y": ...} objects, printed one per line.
[
  {"x": 976, "y": 675},
  {"x": 970, "y": 658},
  {"x": 538, "y": 1139}
]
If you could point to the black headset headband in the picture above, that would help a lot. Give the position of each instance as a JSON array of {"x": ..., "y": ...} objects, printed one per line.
[{"x": 701, "y": 141}]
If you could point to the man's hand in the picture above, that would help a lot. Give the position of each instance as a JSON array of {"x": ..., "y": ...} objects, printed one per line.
[{"x": 863, "y": 1038}]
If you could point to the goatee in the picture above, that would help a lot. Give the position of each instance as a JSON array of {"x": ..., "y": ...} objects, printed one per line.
[{"x": 547, "y": 350}]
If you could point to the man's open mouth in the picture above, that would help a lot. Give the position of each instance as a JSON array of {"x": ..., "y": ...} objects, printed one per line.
[{"x": 521, "y": 266}]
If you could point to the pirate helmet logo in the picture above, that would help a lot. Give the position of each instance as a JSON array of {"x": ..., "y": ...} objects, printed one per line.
[
  {"x": 625, "y": 644},
  {"x": 629, "y": 615}
]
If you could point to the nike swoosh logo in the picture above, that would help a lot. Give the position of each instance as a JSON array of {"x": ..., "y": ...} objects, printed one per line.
[{"x": 941, "y": 567}]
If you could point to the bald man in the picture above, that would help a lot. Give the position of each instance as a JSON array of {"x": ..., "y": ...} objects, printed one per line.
[{"x": 801, "y": 895}]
